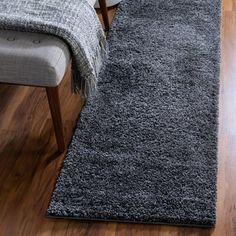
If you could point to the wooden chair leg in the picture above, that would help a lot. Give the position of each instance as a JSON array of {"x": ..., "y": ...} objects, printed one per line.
[
  {"x": 54, "y": 104},
  {"x": 103, "y": 8}
]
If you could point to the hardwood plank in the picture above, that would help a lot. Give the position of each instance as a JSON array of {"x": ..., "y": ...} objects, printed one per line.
[{"x": 29, "y": 162}]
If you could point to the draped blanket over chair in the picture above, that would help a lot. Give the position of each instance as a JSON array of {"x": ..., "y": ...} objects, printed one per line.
[
  {"x": 38, "y": 40},
  {"x": 75, "y": 21}
]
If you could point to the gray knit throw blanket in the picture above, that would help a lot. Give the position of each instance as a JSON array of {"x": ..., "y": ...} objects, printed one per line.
[{"x": 75, "y": 21}]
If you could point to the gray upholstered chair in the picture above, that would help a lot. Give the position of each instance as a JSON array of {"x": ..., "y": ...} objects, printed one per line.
[{"x": 34, "y": 59}]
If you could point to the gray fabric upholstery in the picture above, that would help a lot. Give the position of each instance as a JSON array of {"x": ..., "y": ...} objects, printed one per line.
[{"x": 33, "y": 58}]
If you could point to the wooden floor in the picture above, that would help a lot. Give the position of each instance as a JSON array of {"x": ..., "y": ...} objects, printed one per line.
[{"x": 29, "y": 164}]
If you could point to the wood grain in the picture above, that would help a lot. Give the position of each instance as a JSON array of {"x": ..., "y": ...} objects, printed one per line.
[
  {"x": 55, "y": 109},
  {"x": 29, "y": 162},
  {"x": 104, "y": 12}
]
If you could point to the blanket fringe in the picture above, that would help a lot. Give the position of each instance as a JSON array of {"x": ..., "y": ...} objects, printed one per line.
[{"x": 86, "y": 85}]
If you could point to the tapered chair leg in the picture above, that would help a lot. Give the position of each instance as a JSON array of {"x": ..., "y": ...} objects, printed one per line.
[
  {"x": 54, "y": 104},
  {"x": 103, "y": 8}
]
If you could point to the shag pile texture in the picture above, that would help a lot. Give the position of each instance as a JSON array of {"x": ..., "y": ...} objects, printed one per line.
[{"x": 145, "y": 148}]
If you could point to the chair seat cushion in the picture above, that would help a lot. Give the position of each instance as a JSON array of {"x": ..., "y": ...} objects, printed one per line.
[{"x": 32, "y": 58}]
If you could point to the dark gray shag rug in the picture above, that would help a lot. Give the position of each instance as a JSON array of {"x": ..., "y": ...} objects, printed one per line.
[{"x": 145, "y": 149}]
